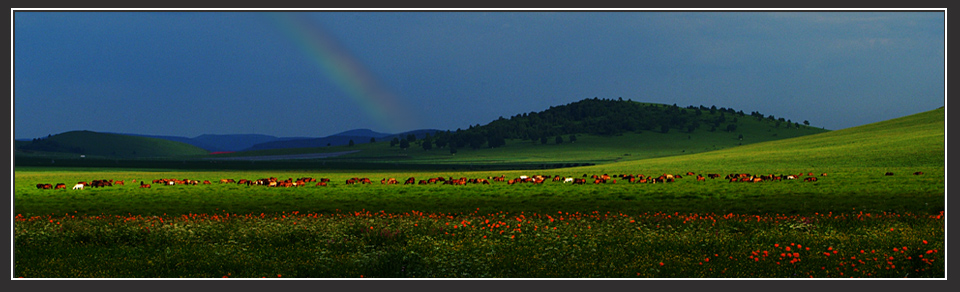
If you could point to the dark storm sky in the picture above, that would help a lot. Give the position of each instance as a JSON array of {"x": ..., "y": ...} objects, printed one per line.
[{"x": 187, "y": 73}]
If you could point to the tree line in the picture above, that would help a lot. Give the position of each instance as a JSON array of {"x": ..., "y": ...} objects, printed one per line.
[{"x": 602, "y": 117}]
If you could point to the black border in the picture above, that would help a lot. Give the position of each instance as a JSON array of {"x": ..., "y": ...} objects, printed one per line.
[{"x": 454, "y": 284}]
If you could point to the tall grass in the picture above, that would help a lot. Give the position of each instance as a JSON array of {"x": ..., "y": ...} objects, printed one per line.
[{"x": 481, "y": 245}]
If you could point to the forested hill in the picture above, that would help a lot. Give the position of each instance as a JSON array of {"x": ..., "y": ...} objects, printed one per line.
[{"x": 608, "y": 117}]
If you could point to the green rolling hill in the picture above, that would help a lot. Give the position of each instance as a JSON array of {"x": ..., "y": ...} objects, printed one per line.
[
  {"x": 906, "y": 144},
  {"x": 605, "y": 131},
  {"x": 99, "y": 145},
  {"x": 754, "y": 143}
]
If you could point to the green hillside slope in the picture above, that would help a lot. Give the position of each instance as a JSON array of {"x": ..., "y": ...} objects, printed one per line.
[
  {"x": 605, "y": 131},
  {"x": 911, "y": 142},
  {"x": 93, "y": 144}
]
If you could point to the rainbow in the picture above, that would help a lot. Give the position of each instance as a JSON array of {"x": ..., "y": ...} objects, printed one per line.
[{"x": 346, "y": 71}]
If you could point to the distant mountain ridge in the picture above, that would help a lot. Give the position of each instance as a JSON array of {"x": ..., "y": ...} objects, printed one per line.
[
  {"x": 244, "y": 142},
  {"x": 358, "y": 136}
]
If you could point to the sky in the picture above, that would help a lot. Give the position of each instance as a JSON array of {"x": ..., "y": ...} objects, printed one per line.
[{"x": 317, "y": 73}]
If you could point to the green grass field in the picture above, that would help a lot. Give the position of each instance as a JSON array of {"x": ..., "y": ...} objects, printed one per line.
[{"x": 665, "y": 230}]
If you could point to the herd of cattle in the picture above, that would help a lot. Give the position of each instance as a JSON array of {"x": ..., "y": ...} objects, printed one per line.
[{"x": 534, "y": 179}]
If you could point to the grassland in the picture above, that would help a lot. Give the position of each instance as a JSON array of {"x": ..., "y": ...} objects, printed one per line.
[{"x": 608, "y": 230}]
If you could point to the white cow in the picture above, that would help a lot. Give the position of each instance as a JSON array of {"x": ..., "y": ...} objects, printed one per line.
[
  {"x": 78, "y": 187},
  {"x": 568, "y": 180}
]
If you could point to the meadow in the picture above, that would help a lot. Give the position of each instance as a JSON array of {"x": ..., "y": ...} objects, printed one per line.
[
  {"x": 854, "y": 221},
  {"x": 554, "y": 229}
]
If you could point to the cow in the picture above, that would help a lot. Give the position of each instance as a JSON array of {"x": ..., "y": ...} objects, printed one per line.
[
  {"x": 918, "y": 173},
  {"x": 410, "y": 181},
  {"x": 568, "y": 180},
  {"x": 144, "y": 186},
  {"x": 60, "y": 186},
  {"x": 78, "y": 187},
  {"x": 321, "y": 184},
  {"x": 888, "y": 173},
  {"x": 701, "y": 178},
  {"x": 810, "y": 179},
  {"x": 119, "y": 182}
]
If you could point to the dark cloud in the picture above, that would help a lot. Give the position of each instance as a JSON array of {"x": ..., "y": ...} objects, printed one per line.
[{"x": 192, "y": 73}]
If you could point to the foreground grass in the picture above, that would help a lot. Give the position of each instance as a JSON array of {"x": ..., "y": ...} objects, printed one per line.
[{"x": 554, "y": 244}]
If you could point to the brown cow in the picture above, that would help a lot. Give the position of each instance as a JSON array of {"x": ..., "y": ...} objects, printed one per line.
[
  {"x": 60, "y": 186},
  {"x": 918, "y": 173},
  {"x": 811, "y": 179},
  {"x": 144, "y": 186},
  {"x": 888, "y": 174}
]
